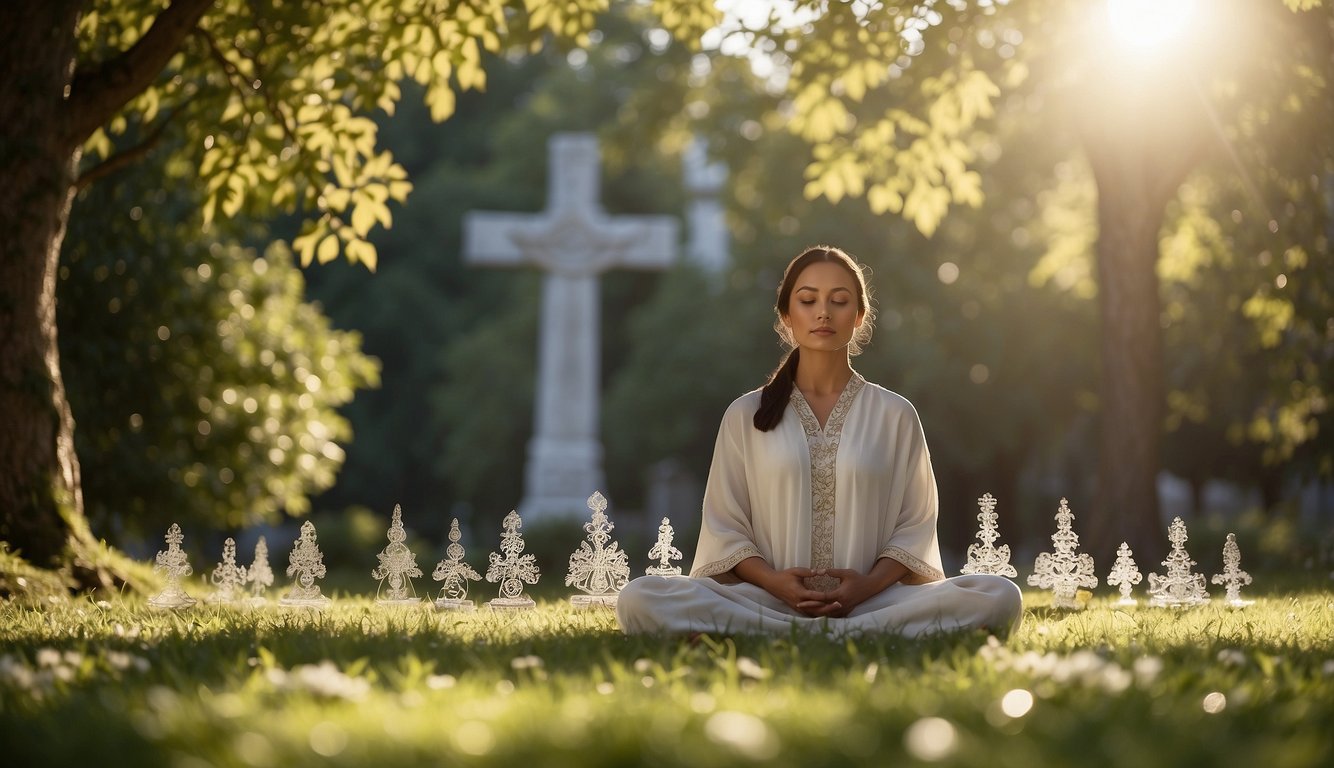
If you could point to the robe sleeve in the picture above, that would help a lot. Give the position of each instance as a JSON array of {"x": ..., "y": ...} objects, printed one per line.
[
  {"x": 913, "y": 540},
  {"x": 726, "y": 534}
]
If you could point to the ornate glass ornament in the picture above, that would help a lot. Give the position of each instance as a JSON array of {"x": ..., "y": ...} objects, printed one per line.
[
  {"x": 306, "y": 567},
  {"x": 455, "y": 574},
  {"x": 228, "y": 577},
  {"x": 664, "y": 552},
  {"x": 985, "y": 557},
  {"x": 1064, "y": 570},
  {"x": 1125, "y": 574},
  {"x": 397, "y": 567},
  {"x": 1233, "y": 577},
  {"x": 176, "y": 565},
  {"x": 511, "y": 568},
  {"x": 1180, "y": 587},
  {"x": 599, "y": 567}
]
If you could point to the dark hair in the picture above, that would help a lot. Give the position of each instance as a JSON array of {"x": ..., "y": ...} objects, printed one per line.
[{"x": 774, "y": 397}]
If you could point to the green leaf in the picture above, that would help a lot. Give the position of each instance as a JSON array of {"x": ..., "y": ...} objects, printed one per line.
[{"x": 328, "y": 249}]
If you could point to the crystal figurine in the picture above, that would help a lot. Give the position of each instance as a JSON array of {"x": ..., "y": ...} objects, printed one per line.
[
  {"x": 1125, "y": 574},
  {"x": 306, "y": 566},
  {"x": 1064, "y": 570},
  {"x": 1233, "y": 576},
  {"x": 228, "y": 577},
  {"x": 259, "y": 575},
  {"x": 397, "y": 567},
  {"x": 455, "y": 574},
  {"x": 664, "y": 552},
  {"x": 173, "y": 562},
  {"x": 985, "y": 557},
  {"x": 596, "y": 568},
  {"x": 1179, "y": 587},
  {"x": 511, "y": 568}
]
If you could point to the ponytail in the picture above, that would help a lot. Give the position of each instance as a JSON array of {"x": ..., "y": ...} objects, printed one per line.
[{"x": 775, "y": 395}]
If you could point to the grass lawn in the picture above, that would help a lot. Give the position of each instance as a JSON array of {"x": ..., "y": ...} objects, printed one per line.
[{"x": 115, "y": 683}]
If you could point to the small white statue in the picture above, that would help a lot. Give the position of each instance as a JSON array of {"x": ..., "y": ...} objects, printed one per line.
[
  {"x": 985, "y": 557},
  {"x": 176, "y": 565},
  {"x": 306, "y": 565},
  {"x": 397, "y": 566},
  {"x": 596, "y": 568},
  {"x": 1233, "y": 576},
  {"x": 259, "y": 575},
  {"x": 228, "y": 576},
  {"x": 512, "y": 569},
  {"x": 1124, "y": 573},
  {"x": 1180, "y": 587},
  {"x": 1064, "y": 570},
  {"x": 455, "y": 574},
  {"x": 664, "y": 552}
]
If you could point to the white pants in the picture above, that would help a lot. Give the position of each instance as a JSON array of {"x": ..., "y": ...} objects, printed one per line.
[{"x": 684, "y": 604}]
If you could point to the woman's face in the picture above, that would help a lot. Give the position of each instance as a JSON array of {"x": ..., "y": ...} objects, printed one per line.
[{"x": 823, "y": 312}]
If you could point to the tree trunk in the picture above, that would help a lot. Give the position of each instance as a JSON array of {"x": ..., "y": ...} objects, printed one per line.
[
  {"x": 41, "y": 506},
  {"x": 1143, "y": 130},
  {"x": 1131, "y": 394},
  {"x": 48, "y": 109}
]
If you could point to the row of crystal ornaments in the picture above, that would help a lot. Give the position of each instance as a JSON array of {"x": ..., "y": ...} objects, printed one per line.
[
  {"x": 1065, "y": 570},
  {"x": 599, "y": 568}
]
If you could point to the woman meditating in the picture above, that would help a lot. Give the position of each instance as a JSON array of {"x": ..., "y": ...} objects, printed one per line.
[{"x": 820, "y": 507}]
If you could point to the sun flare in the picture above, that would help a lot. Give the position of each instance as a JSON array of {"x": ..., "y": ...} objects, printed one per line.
[{"x": 1149, "y": 23}]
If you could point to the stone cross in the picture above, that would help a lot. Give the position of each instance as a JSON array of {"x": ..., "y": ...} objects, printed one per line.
[{"x": 573, "y": 241}]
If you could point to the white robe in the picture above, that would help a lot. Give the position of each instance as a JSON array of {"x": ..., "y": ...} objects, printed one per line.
[{"x": 841, "y": 496}]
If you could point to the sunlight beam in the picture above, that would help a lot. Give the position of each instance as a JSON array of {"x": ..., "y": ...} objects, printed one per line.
[{"x": 1148, "y": 24}]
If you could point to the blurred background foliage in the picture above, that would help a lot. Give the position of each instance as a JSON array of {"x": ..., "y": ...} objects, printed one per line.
[
  {"x": 989, "y": 326},
  {"x": 208, "y": 385}
]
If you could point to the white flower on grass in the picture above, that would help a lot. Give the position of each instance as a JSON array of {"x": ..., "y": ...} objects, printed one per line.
[
  {"x": 324, "y": 679},
  {"x": 749, "y": 668},
  {"x": 121, "y": 661},
  {"x": 327, "y": 739},
  {"x": 1082, "y": 667},
  {"x": 745, "y": 734},
  {"x": 1016, "y": 703},
  {"x": 1214, "y": 703},
  {"x": 474, "y": 737},
  {"x": 1147, "y": 669},
  {"x": 526, "y": 662},
  {"x": 47, "y": 657},
  {"x": 1231, "y": 657},
  {"x": 440, "y": 682},
  {"x": 931, "y": 739},
  {"x": 702, "y": 703},
  {"x": 1115, "y": 679},
  {"x": 16, "y": 673}
]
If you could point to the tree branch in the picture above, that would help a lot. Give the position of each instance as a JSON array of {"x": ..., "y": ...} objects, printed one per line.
[
  {"x": 124, "y": 157},
  {"x": 96, "y": 94}
]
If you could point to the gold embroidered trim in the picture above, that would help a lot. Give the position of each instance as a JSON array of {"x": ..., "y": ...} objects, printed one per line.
[
  {"x": 921, "y": 572},
  {"x": 823, "y": 447},
  {"x": 723, "y": 566}
]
